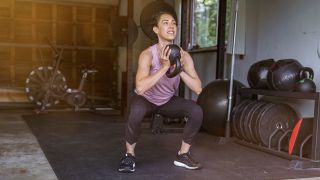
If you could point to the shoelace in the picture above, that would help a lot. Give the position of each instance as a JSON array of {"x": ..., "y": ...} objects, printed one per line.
[
  {"x": 188, "y": 156},
  {"x": 127, "y": 160}
]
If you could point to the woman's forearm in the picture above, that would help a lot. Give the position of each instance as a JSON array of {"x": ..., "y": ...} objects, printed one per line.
[{"x": 192, "y": 82}]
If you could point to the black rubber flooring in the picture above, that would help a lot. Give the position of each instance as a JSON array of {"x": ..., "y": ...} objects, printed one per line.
[{"x": 86, "y": 146}]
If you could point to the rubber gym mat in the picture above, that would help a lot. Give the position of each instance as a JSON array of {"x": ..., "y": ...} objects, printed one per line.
[{"x": 83, "y": 146}]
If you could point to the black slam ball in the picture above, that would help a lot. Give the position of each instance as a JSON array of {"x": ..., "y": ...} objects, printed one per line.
[
  {"x": 214, "y": 103},
  {"x": 257, "y": 74}
]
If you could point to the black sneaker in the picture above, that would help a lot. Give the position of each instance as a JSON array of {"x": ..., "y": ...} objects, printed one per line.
[
  {"x": 127, "y": 163},
  {"x": 185, "y": 160}
]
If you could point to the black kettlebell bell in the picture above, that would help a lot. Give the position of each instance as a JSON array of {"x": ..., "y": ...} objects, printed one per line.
[
  {"x": 306, "y": 84},
  {"x": 174, "y": 58}
]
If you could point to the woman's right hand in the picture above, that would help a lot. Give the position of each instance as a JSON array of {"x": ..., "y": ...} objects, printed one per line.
[{"x": 164, "y": 57}]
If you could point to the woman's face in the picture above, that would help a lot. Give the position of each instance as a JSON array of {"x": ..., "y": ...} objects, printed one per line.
[{"x": 167, "y": 28}]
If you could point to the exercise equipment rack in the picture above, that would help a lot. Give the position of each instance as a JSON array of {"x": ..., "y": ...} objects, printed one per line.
[{"x": 297, "y": 162}]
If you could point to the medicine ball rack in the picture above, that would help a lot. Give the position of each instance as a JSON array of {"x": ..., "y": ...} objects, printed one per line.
[{"x": 297, "y": 162}]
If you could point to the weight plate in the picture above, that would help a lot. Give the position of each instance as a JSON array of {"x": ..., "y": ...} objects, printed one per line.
[
  {"x": 244, "y": 115},
  {"x": 248, "y": 120},
  {"x": 279, "y": 117},
  {"x": 256, "y": 118},
  {"x": 236, "y": 117}
]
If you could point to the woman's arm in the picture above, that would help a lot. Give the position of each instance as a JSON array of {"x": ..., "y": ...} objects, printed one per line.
[
  {"x": 189, "y": 74},
  {"x": 144, "y": 80}
]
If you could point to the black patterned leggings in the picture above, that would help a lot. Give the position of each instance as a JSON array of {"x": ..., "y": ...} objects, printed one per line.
[{"x": 177, "y": 106}]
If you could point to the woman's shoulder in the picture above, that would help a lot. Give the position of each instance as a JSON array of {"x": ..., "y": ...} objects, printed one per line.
[
  {"x": 146, "y": 53},
  {"x": 146, "y": 56}
]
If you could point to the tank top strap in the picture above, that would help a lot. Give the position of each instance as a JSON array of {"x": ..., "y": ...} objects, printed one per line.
[{"x": 155, "y": 56}]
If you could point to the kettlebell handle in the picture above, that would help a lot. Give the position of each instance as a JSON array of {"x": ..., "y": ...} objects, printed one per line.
[
  {"x": 304, "y": 71},
  {"x": 174, "y": 58},
  {"x": 177, "y": 69}
]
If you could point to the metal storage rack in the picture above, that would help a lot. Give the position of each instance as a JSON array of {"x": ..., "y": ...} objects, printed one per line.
[{"x": 296, "y": 161}]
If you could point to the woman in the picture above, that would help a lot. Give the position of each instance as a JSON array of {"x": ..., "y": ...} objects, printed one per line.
[{"x": 155, "y": 92}]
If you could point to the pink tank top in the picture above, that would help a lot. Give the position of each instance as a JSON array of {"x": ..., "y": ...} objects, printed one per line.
[{"x": 165, "y": 88}]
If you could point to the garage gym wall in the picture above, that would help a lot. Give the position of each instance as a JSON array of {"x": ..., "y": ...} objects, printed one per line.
[
  {"x": 82, "y": 29},
  {"x": 282, "y": 29}
]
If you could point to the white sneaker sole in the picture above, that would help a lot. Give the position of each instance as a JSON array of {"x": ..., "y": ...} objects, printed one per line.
[
  {"x": 126, "y": 170},
  {"x": 176, "y": 163}
]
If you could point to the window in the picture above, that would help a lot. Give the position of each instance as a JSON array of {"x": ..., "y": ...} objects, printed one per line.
[{"x": 205, "y": 23}]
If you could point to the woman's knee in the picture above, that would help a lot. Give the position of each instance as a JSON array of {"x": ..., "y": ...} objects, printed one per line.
[
  {"x": 195, "y": 110},
  {"x": 196, "y": 115},
  {"x": 137, "y": 109}
]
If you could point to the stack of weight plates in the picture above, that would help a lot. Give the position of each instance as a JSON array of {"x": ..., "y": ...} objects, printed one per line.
[{"x": 255, "y": 121}]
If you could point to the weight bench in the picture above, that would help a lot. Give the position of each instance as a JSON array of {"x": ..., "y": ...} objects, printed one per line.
[{"x": 163, "y": 124}]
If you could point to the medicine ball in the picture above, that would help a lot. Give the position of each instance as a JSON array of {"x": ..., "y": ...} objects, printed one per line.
[
  {"x": 284, "y": 74},
  {"x": 214, "y": 103},
  {"x": 257, "y": 75}
]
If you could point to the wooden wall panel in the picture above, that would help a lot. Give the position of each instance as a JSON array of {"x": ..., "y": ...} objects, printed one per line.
[
  {"x": 5, "y": 30},
  {"x": 5, "y": 8},
  {"x": 64, "y": 13},
  {"x": 103, "y": 15},
  {"x": 44, "y": 32},
  {"x": 84, "y": 34},
  {"x": 84, "y": 57},
  {"x": 22, "y": 64},
  {"x": 23, "y": 54},
  {"x": 23, "y": 9},
  {"x": 5, "y": 55},
  {"x": 67, "y": 57},
  {"x": 107, "y": 73},
  {"x": 105, "y": 57},
  {"x": 103, "y": 36},
  {"x": 67, "y": 67},
  {"x": 65, "y": 33},
  {"x": 82, "y": 30},
  {"x": 22, "y": 70},
  {"x": 23, "y": 31},
  {"x": 84, "y": 14},
  {"x": 44, "y": 11},
  {"x": 43, "y": 57},
  {"x": 100, "y": 90}
]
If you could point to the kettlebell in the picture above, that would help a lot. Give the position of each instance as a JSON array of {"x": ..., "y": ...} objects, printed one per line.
[
  {"x": 306, "y": 84},
  {"x": 174, "y": 58}
]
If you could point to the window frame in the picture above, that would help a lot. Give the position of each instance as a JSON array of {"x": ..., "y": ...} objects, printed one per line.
[{"x": 190, "y": 38}]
